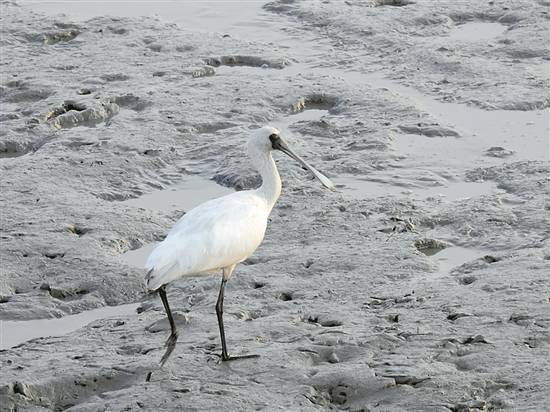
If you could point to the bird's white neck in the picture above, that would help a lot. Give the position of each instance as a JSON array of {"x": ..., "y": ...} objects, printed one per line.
[{"x": 270, "y": 189}]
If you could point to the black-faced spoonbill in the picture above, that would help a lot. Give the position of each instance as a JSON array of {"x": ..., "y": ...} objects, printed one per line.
[{"x": 220, "y": 233}]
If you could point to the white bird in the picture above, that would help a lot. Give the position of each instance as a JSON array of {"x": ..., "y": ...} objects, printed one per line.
[{"x": 222, "y": 232}]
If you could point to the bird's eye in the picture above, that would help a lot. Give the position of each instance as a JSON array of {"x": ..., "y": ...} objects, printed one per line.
[{"x": 275, "y": 141}]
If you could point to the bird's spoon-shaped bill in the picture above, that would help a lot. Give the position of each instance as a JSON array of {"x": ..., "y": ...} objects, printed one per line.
[{"x": 283, "y": 147}]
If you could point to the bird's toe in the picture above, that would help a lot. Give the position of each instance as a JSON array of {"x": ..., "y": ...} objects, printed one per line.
[{"x": 170, "y": 345}]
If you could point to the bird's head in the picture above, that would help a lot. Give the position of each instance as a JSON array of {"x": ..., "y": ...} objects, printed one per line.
[{"x": 267, "y": 139}]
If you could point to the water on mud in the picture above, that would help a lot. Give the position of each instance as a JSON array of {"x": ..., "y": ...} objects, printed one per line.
[
  {"x": 211, "y": 16},
  {"x": 361, "y": 188},
  {"x": 13, "y": 333},
  {"x": 477, "y": 31},
  {"x": 192, "y": 191},
  {"x": 138, "y": 257},
  {"x": 454, "y": 256}
]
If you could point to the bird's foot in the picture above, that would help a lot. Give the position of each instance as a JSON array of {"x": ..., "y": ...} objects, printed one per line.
[
  {"x": 230, "y": 358},
  {"x": 170, "y": 344},
  {"x": 226, "y": 358}
]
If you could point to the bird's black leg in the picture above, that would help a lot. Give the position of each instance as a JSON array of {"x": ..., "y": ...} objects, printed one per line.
[
  {"x": 172, "y": 339},
  {"x": 219, "y": 312}
]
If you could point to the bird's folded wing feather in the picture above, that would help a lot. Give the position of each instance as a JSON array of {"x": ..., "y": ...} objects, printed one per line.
[{"x": 216, "y": 234}]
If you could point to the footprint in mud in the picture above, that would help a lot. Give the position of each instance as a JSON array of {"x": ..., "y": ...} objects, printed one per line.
[
  {"x": 118, "y": 30},
  {"x": 18, "y": 92},
  {"x": 285, "y": 296},
  {"x": 428, "y": 130},
  {"x": 498, "y": 152},
  {"x": 347, "y": 385},
  {"x": 78, "y": 229},
  {"x": 131, "y": 101},
  {"x": 250, "y": 61},
  {"x": 154, "y": 47},
  {"x": 258, "y": 284},
  {"x": 337, "y": 353},
  {"x": 115, "y": 77},
  {"x": 457, "y": 315},
  {"x": 324, "y": 320},
  {"x": 319, "y": 101},
  {"x": 467, "y": 280},
  {"x": 212, "y": 127}
]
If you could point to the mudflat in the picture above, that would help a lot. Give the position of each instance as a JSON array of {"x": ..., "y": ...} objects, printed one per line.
[{"x": 420, "y": 284}]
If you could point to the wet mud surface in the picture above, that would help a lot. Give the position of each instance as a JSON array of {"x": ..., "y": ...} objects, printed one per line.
[{"x": 420, "y": 284}]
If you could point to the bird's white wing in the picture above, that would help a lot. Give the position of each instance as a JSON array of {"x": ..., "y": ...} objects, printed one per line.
[{"x": 215, "y": 234}]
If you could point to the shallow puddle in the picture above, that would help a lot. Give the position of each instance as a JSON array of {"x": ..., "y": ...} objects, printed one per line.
[
  {"x": 212, "y": 15},
  {"x": 361, "y": 188},
  {"x": 13, "y": 333},
  {"x": 476, "y": 31},
  {"x": 138, "y": 257},
  {"x": 454, "y": 256},
  {"x": 523, "y": 132},
  {"x": 192, "y": 191}
]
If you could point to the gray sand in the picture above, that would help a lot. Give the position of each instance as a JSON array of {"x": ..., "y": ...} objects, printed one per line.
[{"x": 421, "y": 284}]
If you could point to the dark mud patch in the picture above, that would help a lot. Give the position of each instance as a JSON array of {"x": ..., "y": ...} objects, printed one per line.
[
  {"x": 392, "y": 3},
  {"x": 249, "y": 61},
  {"x": 115, "y": 77}
]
